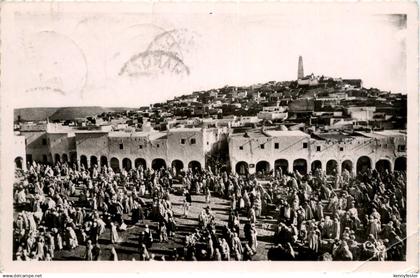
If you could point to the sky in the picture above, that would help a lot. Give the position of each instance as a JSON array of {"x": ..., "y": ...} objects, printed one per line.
[{"x": 116, "y": 59}]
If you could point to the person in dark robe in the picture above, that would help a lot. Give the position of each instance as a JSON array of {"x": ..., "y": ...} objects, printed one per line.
[
  {"x": 247, "y": 230},
  {"x": 171, "y": 226},
  {"x": 96, "y": 252},
  {"x": 94, "y": 232},
  {"x": 248, "y": 253},
  {"x": 135, "y": 213},
  {"x": 141, "y": 240},
  {"x": 148, "y": 237},
  {"x": 217, "y": 255},
  {"x": 308, "y": 211},
  {"x": 341, "y": 252}
]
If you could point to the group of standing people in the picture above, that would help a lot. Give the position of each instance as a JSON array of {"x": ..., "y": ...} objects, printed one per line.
[
  {"x": 341, "y": 217},
  {"x": 319, "y": 217},
  {"x": 63, "y": 207}
]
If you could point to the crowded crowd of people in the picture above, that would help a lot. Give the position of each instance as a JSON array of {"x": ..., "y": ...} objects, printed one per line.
[
  {"x": 312, "y": 216},
  {"x": 346, "y": 218}
]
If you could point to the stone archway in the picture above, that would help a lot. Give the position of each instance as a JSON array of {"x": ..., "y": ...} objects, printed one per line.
[
  {"x": 140, "y": 161},
  {"x": 316, "y": 165},
  {"x": 84, "y": 161},
  {"x": 400, "y": 164},
  {"x": 73, "y": 157},
  {"x": 363, "y": 164},
  {"x": 383, "y": 165},
  {"x": 331, "y": 167},
  {"x": 300, "y": 165},
  {"x": 126, "y": 164},
  {"x": 19, "y": 162},
  {"x": 283, "y": 164},
  {"x": 65, "y": 158},
  {"x": 242, "y": 168},
  {"x": 347, "y": 165},
  {"x": 194, "y": 165},
  {"x": 115, "y": 164},
  {"x": 178, "y": 165},
  {"x": 262, "y": 167},
  {"x": 93, "y": 161},
  {"x": 57, "y": 158},
  {"x": 104, "y": 161},
  {"x": 158, "y": 164}
]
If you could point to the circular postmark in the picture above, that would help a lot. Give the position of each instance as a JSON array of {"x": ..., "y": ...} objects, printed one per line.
[
  {"x": 164, "y": 54},
  {"x": 54, "y": 64},
  {"x": 154, "y": 62},
  {"x": 177, "y": 41}
]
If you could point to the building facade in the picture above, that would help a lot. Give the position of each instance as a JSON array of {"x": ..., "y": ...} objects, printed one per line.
[
  {"x": 180, "y": 148},
  {"x": 263, "y": 151},
  {"x": 248, "y": 152}
]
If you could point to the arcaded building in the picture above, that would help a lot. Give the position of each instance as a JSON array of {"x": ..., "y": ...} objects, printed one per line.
[
  {"x": 181, "y": 148},
  {"x": 263, "y": 151}
]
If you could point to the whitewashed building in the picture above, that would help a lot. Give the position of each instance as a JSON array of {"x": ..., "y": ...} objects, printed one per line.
[{"x": 263, "y": 151}]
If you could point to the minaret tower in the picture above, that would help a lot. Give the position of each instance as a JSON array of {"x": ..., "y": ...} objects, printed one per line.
[{"x": 300, "y": 68}]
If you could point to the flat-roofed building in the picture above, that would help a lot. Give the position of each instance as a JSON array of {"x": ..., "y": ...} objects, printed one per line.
[
  {"x": 250, "y": 150},
  {"x": 180, "y": 148},
  {"x": 263, "y": 151},
  {"x": 259, "y": 151},
  {"x": 36, "y": 142}
]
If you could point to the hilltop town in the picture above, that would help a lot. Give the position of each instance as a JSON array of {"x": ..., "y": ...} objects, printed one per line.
[
  {"x": 243, "y": 173},
  {"x": 325, "y": 102},
  {"x": 320, "y": 108}
]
